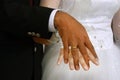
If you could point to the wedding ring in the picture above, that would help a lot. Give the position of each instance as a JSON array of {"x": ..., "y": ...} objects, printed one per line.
[
  {"x": 70, "y": 47},
  {"x": 73, "y": 47}
]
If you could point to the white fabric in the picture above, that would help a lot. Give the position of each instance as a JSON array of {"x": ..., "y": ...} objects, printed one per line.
[
  {"x": 51, "y": 4},
  {"x": 96, "y": 16},
  {"x": 51, "y": 26}
]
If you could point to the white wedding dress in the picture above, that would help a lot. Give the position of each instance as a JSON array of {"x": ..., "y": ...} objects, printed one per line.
[{"x": 96, "y": 16}]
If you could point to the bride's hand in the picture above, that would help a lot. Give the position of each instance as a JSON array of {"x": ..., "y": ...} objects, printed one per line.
[
  {"x": 74, "y": 35},
  {"x": 70, "y": 59}
]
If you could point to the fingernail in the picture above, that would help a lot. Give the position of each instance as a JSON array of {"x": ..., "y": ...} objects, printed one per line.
[
  {"x": 97, "y": 62},
  {"x": 58, "y": 63},
  {"x": 72, "y": 67},
  {"x": 77, "y": 67},
  {"x": 86, "y": 68}
]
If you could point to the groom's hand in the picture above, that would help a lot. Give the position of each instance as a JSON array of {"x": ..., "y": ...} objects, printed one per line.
[
  {"x": 41, "y": 40},
  {"x": 75, "y": 40}
]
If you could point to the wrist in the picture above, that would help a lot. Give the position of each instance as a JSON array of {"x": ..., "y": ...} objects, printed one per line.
[
  {"x": 61, "y": 20},
  {"x": 58, "y": 19}
]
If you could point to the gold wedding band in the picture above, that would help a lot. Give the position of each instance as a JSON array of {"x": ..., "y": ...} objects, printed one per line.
[
  {"x": 70, "y": 47},
  {"x": 73, "y": 47}
]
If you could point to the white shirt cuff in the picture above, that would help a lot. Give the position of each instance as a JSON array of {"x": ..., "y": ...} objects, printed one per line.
[{"x": 51, "y": 26}]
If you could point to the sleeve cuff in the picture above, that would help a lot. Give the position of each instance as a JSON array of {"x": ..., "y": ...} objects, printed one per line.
[{"x": 51, "y": 26}]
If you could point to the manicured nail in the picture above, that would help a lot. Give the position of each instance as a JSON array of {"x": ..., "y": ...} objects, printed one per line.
[
  {"x": 97, "y": 62},
  {"x": 86, "y": 68},
  {"x": 72, "y": 67},
  {"x": 77, "y": 67},
  {"x": 58, "y": 63}
]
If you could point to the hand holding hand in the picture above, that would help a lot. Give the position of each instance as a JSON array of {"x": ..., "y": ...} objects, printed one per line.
[{"x": 75, "y": 41}]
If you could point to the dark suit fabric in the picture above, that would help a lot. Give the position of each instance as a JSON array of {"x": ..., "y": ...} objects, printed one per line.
[{"x": 18, "y": 58}]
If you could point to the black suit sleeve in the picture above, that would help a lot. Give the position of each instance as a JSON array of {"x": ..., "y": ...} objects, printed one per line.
[{"x": 19, "y": 19}]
